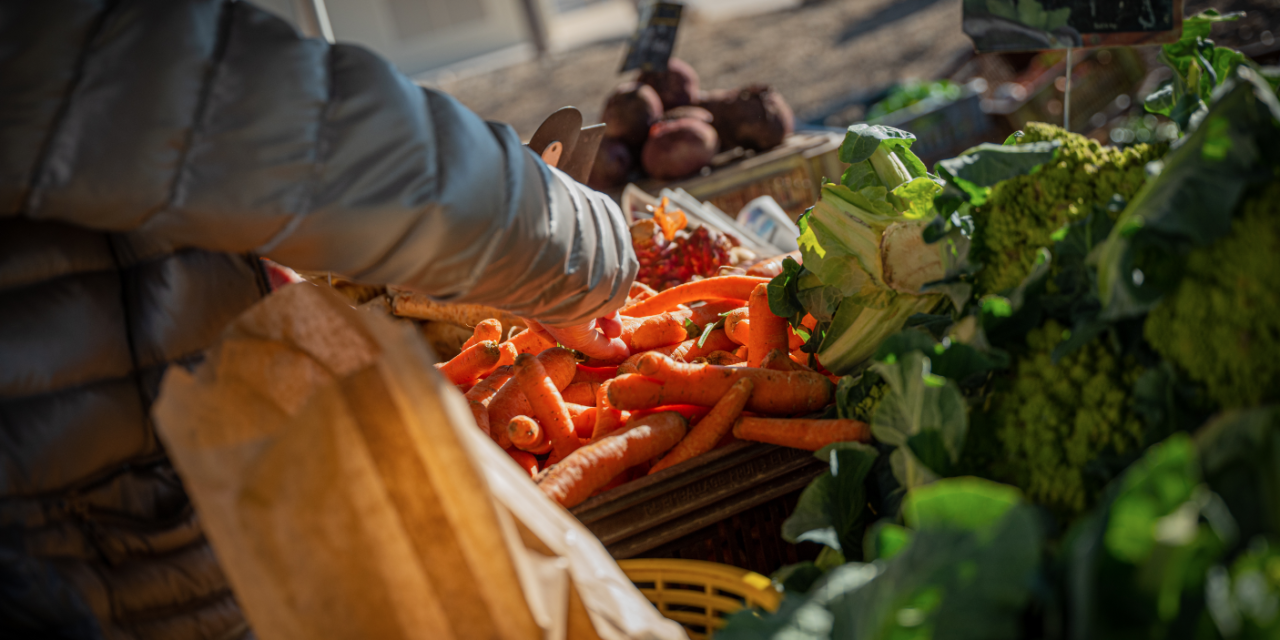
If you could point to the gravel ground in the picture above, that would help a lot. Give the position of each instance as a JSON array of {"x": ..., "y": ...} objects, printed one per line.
[
  {"x": 817, "y": 56},
  {"x": 821, "y": 56}
]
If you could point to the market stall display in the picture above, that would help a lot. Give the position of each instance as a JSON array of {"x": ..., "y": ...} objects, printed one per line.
[{"x": 1080, "y": 439}]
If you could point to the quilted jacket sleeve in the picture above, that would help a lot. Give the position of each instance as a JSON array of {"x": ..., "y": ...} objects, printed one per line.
[{"x": 212, "y": 124}]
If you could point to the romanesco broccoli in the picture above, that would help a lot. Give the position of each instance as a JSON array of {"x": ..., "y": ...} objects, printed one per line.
[
  {"x": 1024, "y": 212},
  {"x": 1222, "y": 324},
  {"x": 866, "y": 407},
  {"x": 1052, "y": 419}
]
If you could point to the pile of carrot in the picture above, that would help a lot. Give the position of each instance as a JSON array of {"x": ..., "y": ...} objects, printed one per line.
[{"x": 710, "y": 364}]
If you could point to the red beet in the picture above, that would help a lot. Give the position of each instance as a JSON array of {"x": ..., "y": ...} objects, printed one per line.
[
  {"x": 754, "y": 117},
  {"x": 688, "y": 111},
  {"x": 678, "y": 148},
  {"x": 629, "y": 112},
  {"x": 613, "y": 163},
  {"x": 677, "y": 86}
]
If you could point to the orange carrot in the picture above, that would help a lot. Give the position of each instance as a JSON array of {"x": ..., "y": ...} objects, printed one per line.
[
  {"x": 547, "y": 404},
  {"x": 627, "y": 367},
  {"x": 773, "y": 266},
  {"x": 509, "y": 353},
  {"x": 580, "y": 473},
  {"x": 768, "y": 331},
  {"x": 778, "y": 360},
  {"x": 490, "y": 329},
  {"x": 741, "y": 352},
  {"x": 527, "y": 434},
  {"x": 525, "y": 460},
  {"x": 640, "y": 291},
  {"x": 607, "y": 417},
  {"x": 723, "y": 358},
  {"x": 704, "y": 436},
  {"x": 657, "y": 331},
  {"x": 583, "y": 393},
  {"x": 691, "y": 412},
  {"x": 718, "y": 288},
  {"x": 478, "y": 397},
  {"x": 644, "y": 334},
  {"x": 510, "y": 401},
  {"x": 708, "y": 313},
  {"x": 686, "y": 351},
  {"x": 594, "y": 374},
  {"x": 472, "y": 363},
  {"x": 737, "y": 325},
  {"x": 801, "y": 433},
  {"x": 800, "y": 362},
  {"x": 663, "y": 381},
  {"x": 794, "y": 341},
  {"x": 584, "y": 419},
  {"x": 530, "y": 341}
]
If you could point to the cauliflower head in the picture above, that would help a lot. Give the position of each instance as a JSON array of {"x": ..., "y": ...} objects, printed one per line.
[
  {"x": 1222, "y": 323},
  {"x": 1024, "y": 212},
  {"x": 1050, "y": 420}
]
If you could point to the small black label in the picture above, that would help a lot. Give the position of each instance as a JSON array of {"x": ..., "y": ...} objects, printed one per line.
[
  {"x": 655, "y": 37},
  {"x": 1021, "y": 25}
]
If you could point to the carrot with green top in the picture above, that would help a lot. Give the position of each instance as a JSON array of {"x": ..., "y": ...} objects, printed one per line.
[
  {"x": 704, "y": 436},
  {"x": 717, "y": 340},
  {"x": 490, "y": 329},
  {"x": 510, "y": 401},
  {"x": 801, "y": 433},
  {"x": 718, "y": 288},
  {"x": 478, "y": 397},
  {"x": 661, "y": 381},
  {"x": 712, "y": 311},
  {"x": 472, "y": 363},
  {"x": 547, "y": 404},
  {"x": 580, "y": 473},
  {"x": 527, "y": 434},
  {"x": 768, "y": 331}
]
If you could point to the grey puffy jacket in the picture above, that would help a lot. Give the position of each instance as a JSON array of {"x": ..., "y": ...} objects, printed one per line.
[{"x": 150, "y": 148}]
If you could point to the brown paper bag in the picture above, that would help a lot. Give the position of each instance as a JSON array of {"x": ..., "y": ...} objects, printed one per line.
[{"x": 348, "y": 493}]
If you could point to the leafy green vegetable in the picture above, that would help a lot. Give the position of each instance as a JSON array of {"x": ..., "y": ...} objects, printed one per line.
[
  {"x": 1053, "y": 421},
  {"x": 1199, "y": 67},
  {"x": 912, "y": 92},
  {"x": 832, "y": 509},
  {"x": 1138, "y": 565},
  {"x": 866, "y": 263},
  {"x": 1023, "y": 212},
  {"x": 1221, "y": 324},
  {"x": 952, "y": 577},
  {"x": 918, "y": 401},
  {"x": 1192, "y": 200},
  {"x": 858, "y": 396}
]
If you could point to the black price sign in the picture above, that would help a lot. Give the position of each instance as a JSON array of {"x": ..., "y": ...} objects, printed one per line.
[
  {"x": 655, "y": 37},
  {"x": 1026, "y": 25}
]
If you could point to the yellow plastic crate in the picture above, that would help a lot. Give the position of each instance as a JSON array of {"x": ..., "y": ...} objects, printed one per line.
[{"x": 699, "y": 595}]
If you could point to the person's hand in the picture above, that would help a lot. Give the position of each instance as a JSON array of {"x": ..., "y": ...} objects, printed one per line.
[{"x": 597, "y": 338}]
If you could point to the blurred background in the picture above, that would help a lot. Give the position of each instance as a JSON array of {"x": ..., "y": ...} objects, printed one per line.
[{"x": 836, "y": 62}]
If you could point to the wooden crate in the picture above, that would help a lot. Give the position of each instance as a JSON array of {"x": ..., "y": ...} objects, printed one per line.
[
  {"x": 727, "y": 506},
  {"x": 792, "y": 173}
]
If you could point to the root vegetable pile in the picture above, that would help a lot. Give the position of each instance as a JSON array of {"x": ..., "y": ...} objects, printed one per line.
[{"x": 581, "y": 427}]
